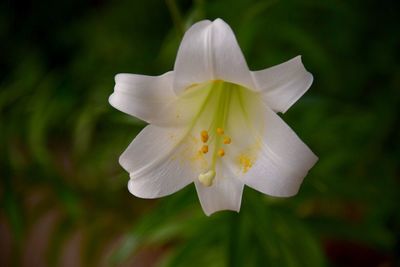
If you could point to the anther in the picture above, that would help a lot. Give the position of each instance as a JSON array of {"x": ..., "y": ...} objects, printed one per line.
[
  {"x": 221, "y": 152},
  {"x": 204, "y": 149},
  {"x": 207, "y": 178},
  {"x": 246, "y": 163},
  {"x": 204, "y": 136},
  {"x": 220, "y": 131},
  {"x": 227, "y": 140}
]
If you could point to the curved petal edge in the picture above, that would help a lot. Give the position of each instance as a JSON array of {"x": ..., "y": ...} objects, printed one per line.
[{"x": 282, "y": 85}]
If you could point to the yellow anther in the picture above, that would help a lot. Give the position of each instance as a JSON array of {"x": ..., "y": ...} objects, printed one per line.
[
  {"x": 220, "y": 131},
  {"x": 221, "y": 152},
  {"x": 207, "y": 178},
  {"x": 227, "y": 140},
  {"x": 204, "y": 136},
  {"x": 246, "y": 163},
  {"x": 204, "y": 149}
]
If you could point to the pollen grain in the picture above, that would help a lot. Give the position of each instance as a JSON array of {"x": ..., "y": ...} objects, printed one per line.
[
  {"x": 204, "y": 149},
  {"x": 227, "y": 140},
  {"x": 221, "y": 152}
]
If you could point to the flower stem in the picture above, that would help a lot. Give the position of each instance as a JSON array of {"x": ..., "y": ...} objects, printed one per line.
[{"x": 176, "y": 16}]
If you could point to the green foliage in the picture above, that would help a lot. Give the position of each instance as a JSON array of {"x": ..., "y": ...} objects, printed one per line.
[{"x": 60, "y": 140}]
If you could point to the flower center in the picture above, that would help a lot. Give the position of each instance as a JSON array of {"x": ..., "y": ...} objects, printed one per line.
[{"x": 219, "y": 110}]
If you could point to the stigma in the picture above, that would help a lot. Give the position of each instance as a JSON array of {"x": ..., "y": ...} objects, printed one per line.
[{"x": 207, "y": 178}]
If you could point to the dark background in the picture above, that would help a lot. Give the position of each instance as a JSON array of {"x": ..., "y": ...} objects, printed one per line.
[{"x": 64, "y": 200}]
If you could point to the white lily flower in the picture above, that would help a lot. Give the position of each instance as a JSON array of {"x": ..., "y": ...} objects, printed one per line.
[{"x": 213, "y": 122}]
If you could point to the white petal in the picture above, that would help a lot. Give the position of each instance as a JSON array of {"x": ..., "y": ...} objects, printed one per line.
[
  {"x": 209, "y": 51},
  {"x": 283, "y": 162},
  {"x": 185, "y": 108},
  {"x": 282, "y": 85},
  {"x": 159, "y": 162},
  {"x": 264, "y": 152},
  {"x": 224, "y": 194},
  {"x": 142, "y": 96}
]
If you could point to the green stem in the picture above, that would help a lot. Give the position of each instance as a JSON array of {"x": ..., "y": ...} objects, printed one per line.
[{"x": 176, "y": 16}]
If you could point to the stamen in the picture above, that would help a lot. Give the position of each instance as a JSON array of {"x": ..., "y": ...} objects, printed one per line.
[
  {"x": 204, "y": 136},
  {"x": 207, "y": 178},
  {"x": 221, "y": 152},
  {"x": 220, "y": 131},
  {"x": 227, "y": 140},
  {"x": 204, "y": 149}
]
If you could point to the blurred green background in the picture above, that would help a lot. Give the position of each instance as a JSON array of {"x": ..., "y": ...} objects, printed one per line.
[{"x": 64, "y": 199}]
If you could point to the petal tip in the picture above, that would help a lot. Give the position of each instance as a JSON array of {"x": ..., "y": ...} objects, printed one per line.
[
  {"x": 133, "y": 190},
  {"x": 201, "y": 23},
  {"x": 231, "y": 209},
  {"x": 125, "y": 77},
  {"x": 112, "y": 100},
  {"x": 211, "y": 210},
  {"x": 219, "y": 20},
  {"x": 116, "y": 77},
  {"x": 299, "y": 60},
  {"x": 137, "y": 191},
  {"x": 129, "y": 185},
  {"x": 315, "y": 158},
  {"x": 123, "y": 161},
  {"x": 221, "y": 24}
]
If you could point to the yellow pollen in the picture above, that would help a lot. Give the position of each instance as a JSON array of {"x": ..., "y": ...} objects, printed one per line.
[
  {"x": 204, "y": 149},
  {"x": 204, "y": 136},
  {"x": 246, "y": 163},
  {"x": 220, "y": 131},
  {"x": 227, "y": 140},
  {"x": 221, "y": 152}
]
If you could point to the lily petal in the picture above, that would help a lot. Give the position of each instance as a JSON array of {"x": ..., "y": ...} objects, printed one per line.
[
  {"x": 282, "y": 85},
  {"x": 283, "y": 161},
  {"x": 158, "y": 162},
  {"x": 209, "y": 51},
  {"x": 142, "y": 96},
  {"x": 224, "y": 194}
]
